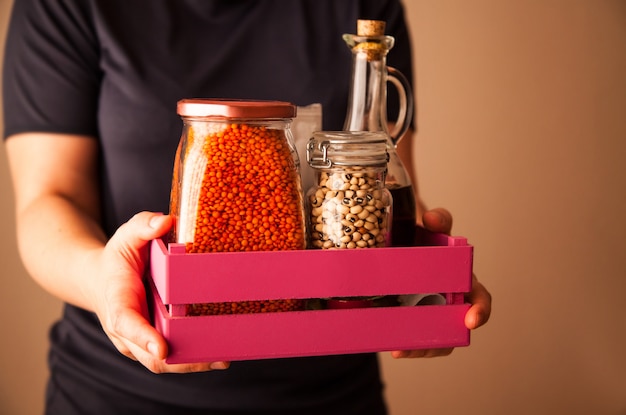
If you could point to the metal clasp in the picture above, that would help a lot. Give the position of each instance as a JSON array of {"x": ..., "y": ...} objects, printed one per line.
[{"x": 320, "y": 162}]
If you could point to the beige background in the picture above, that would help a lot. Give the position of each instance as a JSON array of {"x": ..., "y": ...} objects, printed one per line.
[{"x": 522, "y": 130}]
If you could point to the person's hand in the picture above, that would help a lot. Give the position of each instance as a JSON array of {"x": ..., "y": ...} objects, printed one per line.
[
  {"x": 440, "y": 220},
  {"x": 119, "y": 298}
]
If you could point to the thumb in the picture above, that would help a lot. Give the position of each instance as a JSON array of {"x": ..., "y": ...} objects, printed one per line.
[
  {"x": 135, "y": 234},
  {"x": 438, "y": 220}
]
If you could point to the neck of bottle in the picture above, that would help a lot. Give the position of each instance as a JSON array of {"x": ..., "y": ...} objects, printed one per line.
[{"x": 368, "y": 94}]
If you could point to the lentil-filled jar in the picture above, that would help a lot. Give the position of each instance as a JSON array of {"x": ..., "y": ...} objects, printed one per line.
[
  {"x": 349, "y": 206},
  {"x": 236, "y": 186}
]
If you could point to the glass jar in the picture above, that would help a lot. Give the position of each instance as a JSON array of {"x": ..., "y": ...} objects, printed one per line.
[
  {"x": 236, "y": 185},
  {"x": 349, "y": 206}
]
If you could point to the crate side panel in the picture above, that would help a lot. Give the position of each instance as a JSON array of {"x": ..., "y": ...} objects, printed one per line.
[
  {"x": 313, "y": 333},
  {"x": 315, "y": 273}
]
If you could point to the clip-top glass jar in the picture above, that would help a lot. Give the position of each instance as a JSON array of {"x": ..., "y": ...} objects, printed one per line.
[
  {"x": 236, "y": 185},
  {"x": 349, "y": 206}
]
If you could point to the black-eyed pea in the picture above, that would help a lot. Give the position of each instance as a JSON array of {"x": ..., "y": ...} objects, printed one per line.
[
  {"x": 359, "y": 223},
  {"x": 366, "y": 236},
  {"x": 348, "y": 201},
  {"x": 352, "y": 217},
  {"x": 370, "y": 208},
  {"x": 348, "y": 229},
  {"x": 351, "y": 245},
  {"x": 319, "y": 227},
  {"x": 356, "y": 209},
  {"x": 318, "y": 244},
  {"x": 369, "y": 226},
  {"x": 356, "y": 236},
  {"x": 380, "y": 238},
  {"x": 328, "y": 244},
  {"x": 361, "y": 244},
  {"x": 363, "y": 214},
  {"x": 345, "y": 239},
  {"x": 372, "y": 218}
]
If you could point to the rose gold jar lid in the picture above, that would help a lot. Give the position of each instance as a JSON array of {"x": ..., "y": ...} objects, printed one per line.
[{"x": 233, "y": 108}]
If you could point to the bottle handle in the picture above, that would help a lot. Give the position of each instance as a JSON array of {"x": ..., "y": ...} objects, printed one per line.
[{"x": 405, "y": 96}]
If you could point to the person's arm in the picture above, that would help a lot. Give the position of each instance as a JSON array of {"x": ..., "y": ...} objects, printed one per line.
[
  {"x": 440, "y": 220},
  {"x": 65, "y": 250}
]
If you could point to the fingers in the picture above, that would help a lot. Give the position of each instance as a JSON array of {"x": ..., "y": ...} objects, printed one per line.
[
  {"x": 135, "y": 338},
  {"x": 438, "y": 220},
  {"x": 120, "y": 297},
  {"x": 412, "y": 354},
  {"x": 153, "y": 358},
  {"x": 480, "y": 311}
]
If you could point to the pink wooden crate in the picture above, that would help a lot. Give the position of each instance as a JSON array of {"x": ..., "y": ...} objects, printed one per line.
[{"x": 440, "y": 264}]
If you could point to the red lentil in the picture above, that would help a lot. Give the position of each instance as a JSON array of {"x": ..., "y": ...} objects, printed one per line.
[{"x": 249, "y": 199}]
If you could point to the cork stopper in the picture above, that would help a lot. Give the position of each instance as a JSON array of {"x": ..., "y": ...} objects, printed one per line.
[
  {"x": 373, "y": 30},
  {"x": 370, "y": 27}
]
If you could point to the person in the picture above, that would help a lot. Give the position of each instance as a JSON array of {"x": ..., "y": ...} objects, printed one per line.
[{"x": 90, "y": 91}]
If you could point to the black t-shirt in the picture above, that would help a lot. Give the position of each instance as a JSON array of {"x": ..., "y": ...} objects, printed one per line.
[{"x": 114, "y": 70}]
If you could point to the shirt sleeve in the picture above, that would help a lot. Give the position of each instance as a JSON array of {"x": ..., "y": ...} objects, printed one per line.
[{"x": 51, "y": 74}]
